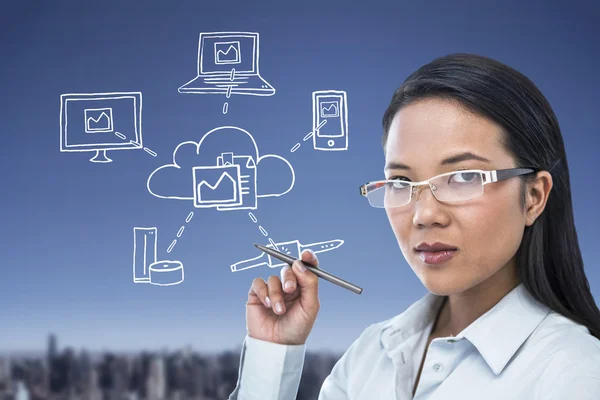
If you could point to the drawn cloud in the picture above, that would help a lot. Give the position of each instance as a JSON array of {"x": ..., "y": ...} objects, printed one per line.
[{"x": 175, "y": 181}]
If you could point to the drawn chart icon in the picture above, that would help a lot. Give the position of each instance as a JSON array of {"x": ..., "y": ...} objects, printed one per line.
[
  {"x": 216, "y": 185},
  {"x": 330, "y": 109},
  {"x": 227, "y": 53},
  {"x": 98, "y": 120}
]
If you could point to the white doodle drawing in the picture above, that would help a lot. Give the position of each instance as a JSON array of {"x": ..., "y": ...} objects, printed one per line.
[
  {"x": 100, "y": 122},
  {"x": 227, "y": 52},
  {"x": 180, "y": 232},
  {"x": 144, "y": 252},
  {"x": 230, "y": 182},
  {"x": 146, "y": 268},
  {"x": 262, "y": 230},
  {"x": 308, "y": 136},
  {"x": 166, "y": 273},
  {"x": 228, "y": 63},
  {"x": 292, "y": 248},
  {"x": 330, "y": 106}
]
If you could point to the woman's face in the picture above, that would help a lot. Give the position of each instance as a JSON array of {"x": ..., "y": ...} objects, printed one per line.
[{"x": 486, "y": 230}]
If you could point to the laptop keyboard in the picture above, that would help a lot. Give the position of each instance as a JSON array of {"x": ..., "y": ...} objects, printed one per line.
[{"x": 225, "y": 81}]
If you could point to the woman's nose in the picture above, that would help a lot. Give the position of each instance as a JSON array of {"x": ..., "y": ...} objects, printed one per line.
[{"x": 417, "y": 190}]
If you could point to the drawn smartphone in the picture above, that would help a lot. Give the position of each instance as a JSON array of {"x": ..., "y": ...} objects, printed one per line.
[{"x": 330, "y": 106}]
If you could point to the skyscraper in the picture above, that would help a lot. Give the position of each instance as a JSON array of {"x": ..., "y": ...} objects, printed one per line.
[
  {"x": 157, "y": 382},
  {"x": 51, "y": 349},
  {"x": 51, "y": 357}
]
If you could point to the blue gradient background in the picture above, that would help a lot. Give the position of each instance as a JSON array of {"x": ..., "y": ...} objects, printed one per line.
[{"x": 67, "y": 223}]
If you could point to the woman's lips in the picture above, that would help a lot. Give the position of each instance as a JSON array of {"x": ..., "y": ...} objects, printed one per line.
[{"x": 436, "y": 257}]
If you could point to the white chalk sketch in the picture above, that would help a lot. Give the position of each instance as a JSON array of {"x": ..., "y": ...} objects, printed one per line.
[
  {"x": 292, "y": 248},
  {"x": 228, "y": 63},
  {"x": 144, "y": 253},
  {"x": 309, "y": 135},
  {"x": 330, "y": 120},
  {"x": 231, "y": 183},
  {"x": 146, "y": 269},
  {"x": 166, "y": 273},
  {"x": 100, "y": 122},
  {"x": 180, "y": 232},
  {"x": 227, "y": 52}
]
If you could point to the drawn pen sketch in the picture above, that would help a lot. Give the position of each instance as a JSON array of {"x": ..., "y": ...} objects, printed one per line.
[
  {"x": 292, "y": 248},
  {"x": 229, "y": 178},
  {"x": 146, "y": 268},
  {"x": 228, "y": 63},
  {"x": 99, "y": 122}
]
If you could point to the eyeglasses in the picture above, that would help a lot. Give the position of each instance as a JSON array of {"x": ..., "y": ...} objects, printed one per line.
[{"x": 448, "y": 188}]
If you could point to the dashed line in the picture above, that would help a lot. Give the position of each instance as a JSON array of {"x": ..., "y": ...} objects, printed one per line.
[
  {"x": 171, "y": 246},
  {"x": 252, "y": 217},
  {"x": 189, "y": 217}
]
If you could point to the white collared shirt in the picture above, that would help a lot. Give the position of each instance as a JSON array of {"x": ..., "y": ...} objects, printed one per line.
[{"x": 519, "y": 349}]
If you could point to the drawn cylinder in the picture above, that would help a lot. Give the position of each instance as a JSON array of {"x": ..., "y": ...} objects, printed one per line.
[{"x": 165, "y": 273}]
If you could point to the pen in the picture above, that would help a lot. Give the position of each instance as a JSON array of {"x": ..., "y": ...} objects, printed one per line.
[{"x": 317, "y": 271}]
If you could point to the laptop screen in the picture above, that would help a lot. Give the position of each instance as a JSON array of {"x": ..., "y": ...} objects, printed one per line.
[{"x": 220, "y": 53}]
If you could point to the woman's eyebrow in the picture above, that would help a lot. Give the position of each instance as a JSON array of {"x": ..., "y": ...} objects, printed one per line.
[{"x": 450, "y": 160}]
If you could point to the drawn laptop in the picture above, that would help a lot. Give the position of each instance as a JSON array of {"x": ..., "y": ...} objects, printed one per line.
[{"x": 228, "y": 64}]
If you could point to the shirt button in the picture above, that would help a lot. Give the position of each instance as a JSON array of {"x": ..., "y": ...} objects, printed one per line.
[{"x": 437, "y": 367}]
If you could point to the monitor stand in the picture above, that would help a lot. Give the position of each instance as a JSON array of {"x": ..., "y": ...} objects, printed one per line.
[{"x": 100, "y": 157}]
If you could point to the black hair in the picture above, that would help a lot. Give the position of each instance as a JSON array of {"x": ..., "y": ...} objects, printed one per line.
[{"x": 549, "y": 260}]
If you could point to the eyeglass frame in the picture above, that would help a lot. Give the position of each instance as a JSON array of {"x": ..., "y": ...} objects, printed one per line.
[{"x": 490, "y": 176}]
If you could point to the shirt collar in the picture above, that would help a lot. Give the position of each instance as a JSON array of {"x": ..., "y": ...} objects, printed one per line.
[{"x": 497, "y": 334}]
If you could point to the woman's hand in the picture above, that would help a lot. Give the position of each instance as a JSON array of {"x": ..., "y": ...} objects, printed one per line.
[{"x": 291, "y": 324}]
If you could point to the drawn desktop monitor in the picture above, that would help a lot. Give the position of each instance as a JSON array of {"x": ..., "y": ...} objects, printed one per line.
[
  {"x": 99, "y": 122},
  {"x": 228, "y": 62},
  {"x": 330, "y": 107}
]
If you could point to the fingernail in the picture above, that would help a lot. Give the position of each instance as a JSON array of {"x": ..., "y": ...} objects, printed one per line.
[
  {"x": 278, "y": 307},
  {"x": 300, "y": 267},
  {"x": 312, "y": 253},
  {"x": 289, "y": 284},
  {"x": 268, "y": 301}
]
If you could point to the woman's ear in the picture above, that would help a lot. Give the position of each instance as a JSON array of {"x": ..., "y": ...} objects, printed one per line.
[{"x": 537, "y": 194}]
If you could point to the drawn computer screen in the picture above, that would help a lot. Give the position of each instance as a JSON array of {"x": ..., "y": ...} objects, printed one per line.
[
  {"x": 222, "y": 53},
  {"x": 100, "y": 122},
  {"x": 330, "y": 108}
]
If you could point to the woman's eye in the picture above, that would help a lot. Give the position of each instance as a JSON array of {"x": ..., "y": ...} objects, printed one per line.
[{"x": 398, "y": 178}]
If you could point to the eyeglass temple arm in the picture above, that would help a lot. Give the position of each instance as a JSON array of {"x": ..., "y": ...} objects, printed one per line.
[
  {"x": 502, "y": 174},
  {"x": 364, "y": 189}
]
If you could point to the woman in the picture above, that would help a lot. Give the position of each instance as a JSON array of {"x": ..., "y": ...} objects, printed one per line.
[{"x": 509, "y": 313}]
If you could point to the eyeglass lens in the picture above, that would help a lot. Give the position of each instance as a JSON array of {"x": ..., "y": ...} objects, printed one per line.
[{"x": 459, "y": 186}]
